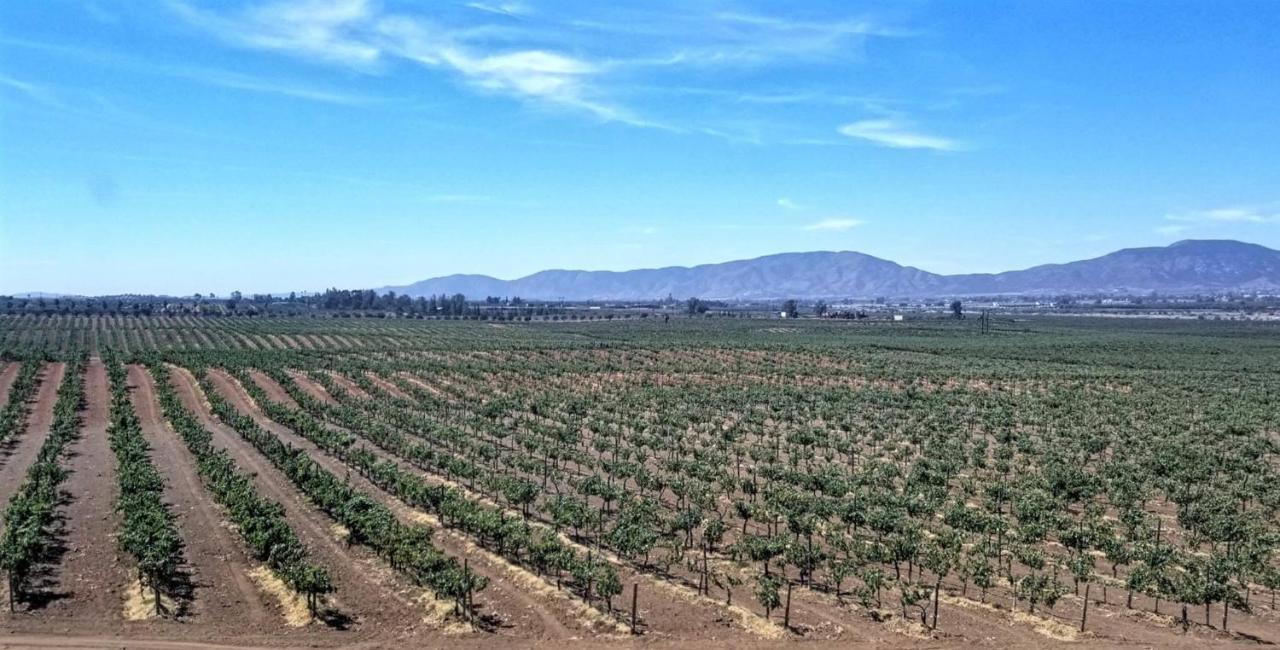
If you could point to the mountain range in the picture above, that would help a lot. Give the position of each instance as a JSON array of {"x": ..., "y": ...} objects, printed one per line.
[{"x": 1189, "y": 266}]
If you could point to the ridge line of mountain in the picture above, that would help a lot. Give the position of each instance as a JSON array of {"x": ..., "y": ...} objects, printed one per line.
[{"x": 1188, "y": 266}]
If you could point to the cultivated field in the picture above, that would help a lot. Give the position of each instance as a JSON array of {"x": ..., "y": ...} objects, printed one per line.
[{"x": 698, "y": 483}]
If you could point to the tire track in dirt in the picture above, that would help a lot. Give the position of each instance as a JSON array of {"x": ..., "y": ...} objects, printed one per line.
[
  {"x": 527, "y": 616},
  {"x": 90, "y": 574},
  {"x": 368, "y": 590},
  {"x": 17, "y": 454},
  {"x": 218, "y": 560}
]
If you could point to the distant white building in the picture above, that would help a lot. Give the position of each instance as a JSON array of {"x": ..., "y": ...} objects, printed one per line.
[
  {"x": 782, "y": 314},
  {"x": 898, "y": 317}
]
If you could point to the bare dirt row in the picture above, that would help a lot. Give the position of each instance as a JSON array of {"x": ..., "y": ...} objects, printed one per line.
[
  {"x": 17, "y": 453},
  {"x": 7, "y": 376},
  {"x": 376, "y": 602},
  {"x": 90, "y": 577},
  {"x": 219, "y": 566},
  {"x": 521, "y": 613}
]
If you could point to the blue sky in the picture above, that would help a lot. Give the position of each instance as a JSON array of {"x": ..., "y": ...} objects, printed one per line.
[{"x": 190, "y": 145}]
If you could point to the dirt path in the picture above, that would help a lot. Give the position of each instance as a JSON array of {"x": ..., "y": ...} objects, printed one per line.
[
  {"x": 315, "y": 390},
  {"x": 7, "y": 377},
  {"x": 215, "y": 555},
  {"x": 90, "y": 575},
  {"x": 273, "y": 389},
  {"x": 367, "y": 590},
  {"x": 523, "y": 614},
  {"x": 20, "y": 450}
]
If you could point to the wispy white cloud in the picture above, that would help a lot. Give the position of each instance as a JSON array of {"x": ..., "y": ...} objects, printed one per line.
[
  {"x": 808, "y": 98},
  {"x": 1238, "y": 214},
  {"x": 544, "y": 59},
  {"x": 1173, "y": 229},
  {"x": 734, "y": 38},
  {"x": 897, "y": 134},
  {"x": 503, "y": 8},
  {"x": 825, "y": 29},
  {"x": 535, "y": 74},
  {"x": 788, "y": 204},
  {"x": 359, "y": 34},
  {"x": 1217, "y": 218},
  {"x": 329, "y": 30},
  {"x": 237, "y": 81},
  {"x": 834, "y": 224},
  {"x": 38, "y": 93},
  {"x": 203, "y": 75}
]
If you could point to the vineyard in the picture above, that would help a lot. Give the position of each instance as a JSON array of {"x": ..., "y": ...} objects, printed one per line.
[{"x": 698, "y": 482}]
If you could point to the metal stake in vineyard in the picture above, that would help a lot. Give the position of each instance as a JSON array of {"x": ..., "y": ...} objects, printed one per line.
[{"x": 635, "y": 594}]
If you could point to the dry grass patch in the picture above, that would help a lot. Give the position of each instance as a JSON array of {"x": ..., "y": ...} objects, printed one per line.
[
  {"x": 440, "y": 615},
  {"x": 292, "y": 606},
  {"x": 340, "y": 532},
  {"x": 1051, "y": 629},
  {"x": 140, "y": 602}
]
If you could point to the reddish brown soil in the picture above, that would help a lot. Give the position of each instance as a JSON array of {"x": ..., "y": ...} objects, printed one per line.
[
  {"x": 7, "y": 377},
  {"x": 367, "y": 591},
  {"x": 47, "y": 639},
  {"x": 273, "y": 389},
  {"x": 89, "y": 581},
  {"x": 19, "y": 451},
  {"x": 346, "y": 384},
  {"x": 523, "y": 615},
  {"x": 216, "y": 557},
  {"x": 311, "y": 388}
]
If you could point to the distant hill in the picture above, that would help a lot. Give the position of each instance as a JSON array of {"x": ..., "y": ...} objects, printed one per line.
[
  {"x": 1184, "y": 267},
  {"x": 1187, "y": 266},
  {"x": 34, "y": 295}
]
